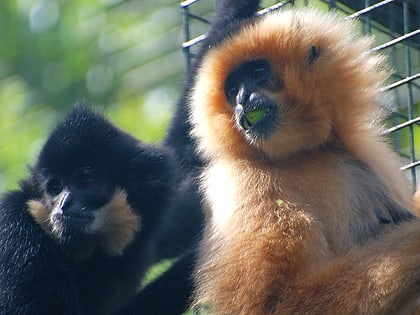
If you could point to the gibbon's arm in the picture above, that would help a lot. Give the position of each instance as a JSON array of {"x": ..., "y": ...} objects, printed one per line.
[
  {"x": 264, "y": 259},
  {"x": 228, "y": 18},
  {"x": 378, "y": 278},
  {"x": 186, "y": 206},
  {"x": 382, "y": 277},
  {"x": 230, "y": 15},
  {"x": 32, "y": 277},
  {"x": 168, "y": 295}
]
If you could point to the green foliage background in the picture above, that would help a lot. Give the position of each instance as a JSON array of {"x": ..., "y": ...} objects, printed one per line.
[{"x": 122, "y": 55}]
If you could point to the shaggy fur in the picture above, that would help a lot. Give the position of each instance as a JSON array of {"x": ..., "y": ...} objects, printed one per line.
[{"x": 311, "y": 219}]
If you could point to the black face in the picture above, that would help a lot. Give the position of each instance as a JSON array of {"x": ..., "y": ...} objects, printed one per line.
[
  {"x": 78, "y": 173},
  {"x": 72, "y": 203},
  {"x": 78, "y": 195},
  {"x": 246, "y": 90},
  {"x": 85, "y": 185}
]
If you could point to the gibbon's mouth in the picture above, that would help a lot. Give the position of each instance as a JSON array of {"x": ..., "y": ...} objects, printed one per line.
[
  {"x": 257, "y": 122},
  {"x": 250, "y": 118},
  {"x": 76, "y": 219}
]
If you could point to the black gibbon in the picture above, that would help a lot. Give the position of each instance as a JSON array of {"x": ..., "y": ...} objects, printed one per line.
[
  {"x": 75, "y": 238},
  {"x": 306, "y": 210}
]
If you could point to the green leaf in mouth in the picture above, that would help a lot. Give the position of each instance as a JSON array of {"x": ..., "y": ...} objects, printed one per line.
[{"x": 255, "y": 115}]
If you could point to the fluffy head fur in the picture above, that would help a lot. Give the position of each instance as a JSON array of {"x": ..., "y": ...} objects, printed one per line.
[
  {"x": 300, "y": 184},
  {"x": 334, "y": 95},
  {"x": 331, "y": 97}
]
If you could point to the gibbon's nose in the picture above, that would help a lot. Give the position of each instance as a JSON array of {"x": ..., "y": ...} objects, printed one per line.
[
  {"x": 246, "y": 97},
  {"x": 242, "y": 95},
  {"x": 239, "y": 111},
  {"x": 65, "y": 201}
]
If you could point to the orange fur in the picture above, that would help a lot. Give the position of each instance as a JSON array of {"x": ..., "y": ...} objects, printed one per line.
[{"x": 290, "y": 223}]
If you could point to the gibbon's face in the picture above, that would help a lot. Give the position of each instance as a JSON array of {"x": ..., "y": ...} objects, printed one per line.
[
  {"x": 288, "y": 83},
  {"x": 81, "y": 204},
  {"x": 75, "y": 206}
]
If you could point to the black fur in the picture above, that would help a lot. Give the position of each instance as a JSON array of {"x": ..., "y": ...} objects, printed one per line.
[
  {"x": 41, "y": 273},
  {"x": 169, "y": 294}
]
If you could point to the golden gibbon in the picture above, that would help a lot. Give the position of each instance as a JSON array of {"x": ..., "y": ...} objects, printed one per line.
[{"x": 306, "y": 209}]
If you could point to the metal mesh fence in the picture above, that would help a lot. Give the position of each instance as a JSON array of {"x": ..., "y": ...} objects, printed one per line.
[{"x": 396, "y": 27}]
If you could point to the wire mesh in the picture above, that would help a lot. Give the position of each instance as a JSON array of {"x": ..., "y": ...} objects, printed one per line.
[{"x": 396, "y": 27}]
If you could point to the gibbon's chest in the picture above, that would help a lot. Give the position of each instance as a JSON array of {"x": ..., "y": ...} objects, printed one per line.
[{"x": 332, "y": 199}]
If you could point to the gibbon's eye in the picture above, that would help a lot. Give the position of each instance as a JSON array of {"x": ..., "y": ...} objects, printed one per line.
[
  {"x": 248, "y": 77},
  {"x": 231, "y": 92},
  {"x": 259, "y": 73},
  {"x": 263, "y": 77},
  {"x": 54, "y": 186},
  {"x": 313, "y": 54}
]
